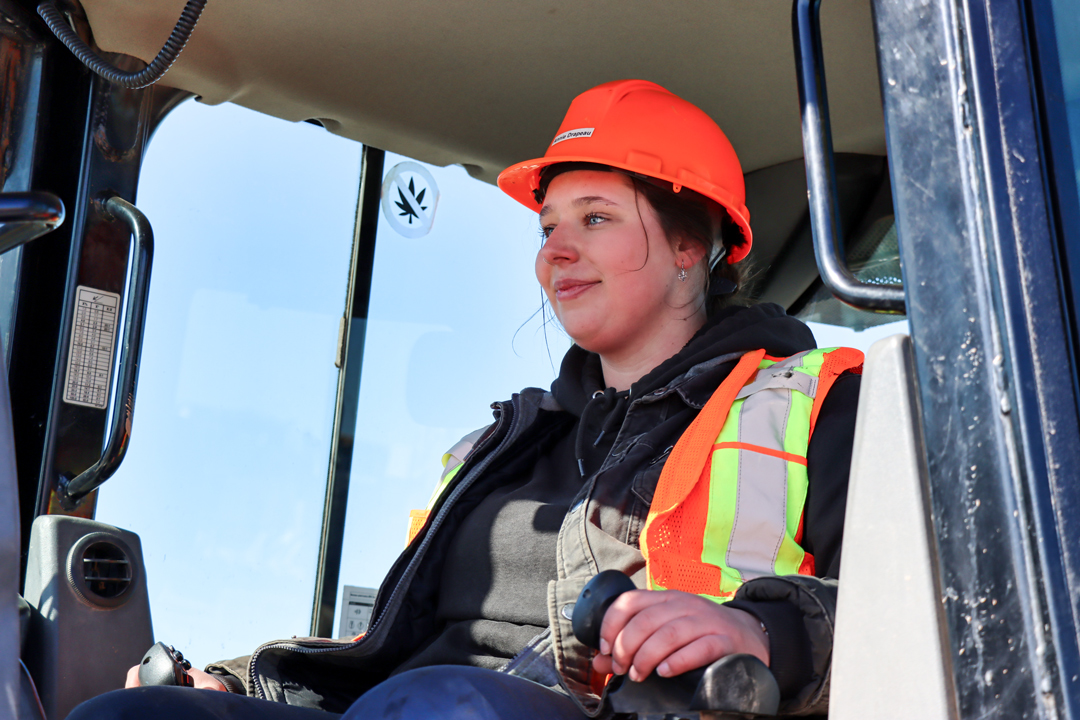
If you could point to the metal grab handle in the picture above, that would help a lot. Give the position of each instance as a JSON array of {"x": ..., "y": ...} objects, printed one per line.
[
  {"x": 71, "y": 492},
  {"x": 821, "y": 171},
  {"x": 27, "y": 215}
]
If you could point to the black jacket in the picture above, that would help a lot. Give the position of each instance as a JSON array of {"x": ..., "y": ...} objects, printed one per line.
[{"x": 601, "y": 530}]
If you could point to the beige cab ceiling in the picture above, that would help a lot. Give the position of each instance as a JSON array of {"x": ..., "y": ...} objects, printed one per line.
[{"x": 485, "y": 83}]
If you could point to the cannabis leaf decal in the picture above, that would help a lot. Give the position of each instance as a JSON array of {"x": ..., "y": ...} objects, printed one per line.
[{"x": 406, "y": 209}]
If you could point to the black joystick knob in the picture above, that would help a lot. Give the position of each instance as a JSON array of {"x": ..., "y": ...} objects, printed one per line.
[
  {"x": 164, "y": 665},
  {"x": 593, "y": 602}
]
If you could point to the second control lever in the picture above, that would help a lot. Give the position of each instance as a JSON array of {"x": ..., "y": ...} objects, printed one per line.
[{"x": 164, "y": 665}]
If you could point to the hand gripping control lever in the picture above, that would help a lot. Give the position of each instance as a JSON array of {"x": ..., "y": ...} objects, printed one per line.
[{"x": 737, "y": 684}]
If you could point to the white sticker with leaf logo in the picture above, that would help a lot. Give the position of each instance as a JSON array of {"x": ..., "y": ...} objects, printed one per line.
[{"x": 409, "y": 197}]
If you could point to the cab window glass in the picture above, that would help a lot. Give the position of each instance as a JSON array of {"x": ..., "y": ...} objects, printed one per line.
[
  {"x": 455, "y": 323},
  {"x": 226, "y": 473},
  {"x": 9, "y": 282}
]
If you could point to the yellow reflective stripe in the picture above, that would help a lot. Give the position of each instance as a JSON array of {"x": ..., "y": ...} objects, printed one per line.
[
  {"x": 812, "y": 361},
  {"x": 730, "y": 431},
  {"x": 443, "y": 484},
  {"x": 796, "y": 442},
  {"x": 790, "y": 556},
  {"x": 723, "y": 500}
]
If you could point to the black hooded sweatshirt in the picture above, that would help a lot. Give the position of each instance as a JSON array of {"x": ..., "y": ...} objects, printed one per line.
[{"x": 493, "y": 592}]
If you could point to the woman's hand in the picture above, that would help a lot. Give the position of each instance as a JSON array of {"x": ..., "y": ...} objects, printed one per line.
[
  {"x": 203, "y": 680},
  {"x": 673, "y": 632}
]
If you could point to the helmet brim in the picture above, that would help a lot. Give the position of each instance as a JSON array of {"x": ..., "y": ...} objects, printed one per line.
[{"x": 520, "y": 182}]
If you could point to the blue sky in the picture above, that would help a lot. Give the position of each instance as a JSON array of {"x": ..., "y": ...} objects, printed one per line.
[{"x": 226, "y": 473}]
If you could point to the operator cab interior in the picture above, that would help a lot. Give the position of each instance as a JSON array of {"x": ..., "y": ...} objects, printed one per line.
[
  {"x": 445, "y": 85},
  {"x": 270, "y": 296}
]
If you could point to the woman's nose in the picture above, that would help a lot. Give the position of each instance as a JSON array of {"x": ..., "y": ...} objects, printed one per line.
[{"x": 558, "y": 247}]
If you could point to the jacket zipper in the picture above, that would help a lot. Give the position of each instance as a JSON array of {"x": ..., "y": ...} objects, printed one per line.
[
  {"x": 295, "y": 647},
  {"x": 410, "y": 570}
]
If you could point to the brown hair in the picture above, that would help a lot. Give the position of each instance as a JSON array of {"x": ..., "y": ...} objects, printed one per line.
[{"x": 685, "y": 215}]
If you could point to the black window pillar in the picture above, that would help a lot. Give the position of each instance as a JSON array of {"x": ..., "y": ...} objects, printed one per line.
[{"x": 350, "y": 362}]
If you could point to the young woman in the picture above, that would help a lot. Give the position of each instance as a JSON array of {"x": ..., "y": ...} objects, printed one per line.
[{"x": 700, "y": 446}]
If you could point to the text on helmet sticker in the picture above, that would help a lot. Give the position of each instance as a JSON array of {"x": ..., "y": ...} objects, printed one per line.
[{"x": 571, "y": 134}]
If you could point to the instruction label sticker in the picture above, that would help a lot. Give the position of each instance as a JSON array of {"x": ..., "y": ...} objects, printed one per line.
[
  {"x": 90, "y": 353},
  {"x": 357, "y": 604},
  {"x": 409, "y": 197}
]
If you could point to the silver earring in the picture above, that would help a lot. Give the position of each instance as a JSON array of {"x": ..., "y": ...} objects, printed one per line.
[{"x": 682, "y": 272}]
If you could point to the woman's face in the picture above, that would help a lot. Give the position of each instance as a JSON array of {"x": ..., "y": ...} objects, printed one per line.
[{"x": 608, "y": 269}]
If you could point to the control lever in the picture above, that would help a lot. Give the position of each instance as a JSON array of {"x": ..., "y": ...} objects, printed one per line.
[
  {"x": 164, "y": 665},
  {"x": 733, "y": 684},
  {"x": 593, "y": 603}
]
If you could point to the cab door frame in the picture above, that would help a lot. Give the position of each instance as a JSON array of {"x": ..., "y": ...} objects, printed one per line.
[{"x": 993, "y": 351}]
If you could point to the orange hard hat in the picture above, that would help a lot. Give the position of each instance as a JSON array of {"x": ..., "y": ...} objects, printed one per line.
[{"x": 641, "y": 128}]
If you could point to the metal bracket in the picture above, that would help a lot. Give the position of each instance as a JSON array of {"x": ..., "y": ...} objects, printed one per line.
[
  {"x": 821, "y": 171},
  {"x": 72, "y": 491}
]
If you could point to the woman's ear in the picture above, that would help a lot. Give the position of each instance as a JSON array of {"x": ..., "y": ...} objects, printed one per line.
[{"x": 690, "y": 252}]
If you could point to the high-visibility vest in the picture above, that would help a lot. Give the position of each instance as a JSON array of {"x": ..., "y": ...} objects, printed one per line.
[{"x": 729, "y": 504}]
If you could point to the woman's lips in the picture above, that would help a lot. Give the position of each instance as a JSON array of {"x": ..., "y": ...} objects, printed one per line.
[{"x": 570, "y": 289}]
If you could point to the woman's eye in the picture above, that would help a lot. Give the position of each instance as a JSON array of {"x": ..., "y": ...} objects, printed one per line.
[
  {"x": 545, "y": 232},
  {"x": 594, "y": 219}
]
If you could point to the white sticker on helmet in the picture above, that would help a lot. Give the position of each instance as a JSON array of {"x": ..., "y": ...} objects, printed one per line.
[{"x": 571, "y": 134}]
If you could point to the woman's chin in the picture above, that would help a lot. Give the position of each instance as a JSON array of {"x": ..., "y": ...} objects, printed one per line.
[
  {"x": 588, "y": 341},
  {"x": 593, "y": 331}
]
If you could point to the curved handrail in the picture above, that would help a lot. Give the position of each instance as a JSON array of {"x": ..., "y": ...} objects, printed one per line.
[
  {"x": 821, "y": 171},
  {"x": 72, "y": 491},
  {"x": 27, "y": 215}
]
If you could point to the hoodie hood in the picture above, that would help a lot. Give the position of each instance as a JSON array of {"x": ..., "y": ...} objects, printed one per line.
[
  {"x": 580, "y": 388},
  {"x": 733, "y": 329}
]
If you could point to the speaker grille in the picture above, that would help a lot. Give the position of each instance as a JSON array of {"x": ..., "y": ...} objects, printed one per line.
[{"x": 106, "y": 570}]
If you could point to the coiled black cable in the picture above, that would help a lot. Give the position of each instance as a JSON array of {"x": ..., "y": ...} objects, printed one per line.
[{"x": 149, "y": 75}]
